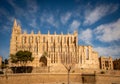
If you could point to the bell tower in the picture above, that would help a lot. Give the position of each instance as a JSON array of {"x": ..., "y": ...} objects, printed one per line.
[
  {"x": 16, "y": 31},
  {"x": 16, "y": 28}
]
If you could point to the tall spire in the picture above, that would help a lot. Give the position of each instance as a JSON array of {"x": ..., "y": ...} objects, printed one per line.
[
  {"x": 15, "y": 22},
  {"x": 16, "y": 27}
]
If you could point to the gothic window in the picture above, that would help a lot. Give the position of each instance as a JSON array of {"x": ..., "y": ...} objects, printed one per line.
[
  {"x": 81, "y": 59},
  {"x": 43, "y": 39},
  {"x": 59, "y": 48},
  {"x": 35, "y": 49},
  {"x": 54, "y": 58},
  {"x": 87, "y": 54},
  {"x": 24, "y": 40},
  {"x": 31, "y": 39},
  {"x": 66, "y": 48},
  {"x": 106, "y": 64},
  {"x": 68, "y": 40},
  {"x": 51, "y": 58},
  {"x": 43, "y": 48},
  {"x": 51, "y": 39},
  {"x": 64, "y": 39},
  {"x": 38, "y": 39},
  {"x": 52, "y": 48},
  {"x": 71, "y": 39},
  {"x": 16, "y": 38},
  {"x": 75, "y": 41},
  {"x": 62, "y": 57},
  {"x": 73, "y": 49}
]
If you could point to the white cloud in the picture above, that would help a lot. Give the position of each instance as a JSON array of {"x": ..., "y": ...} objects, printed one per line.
[
  {"x": 99, "y": 12},
  {"x": 108, "y": 32},
  {"x": 28, "y": 13},
  {"x": 108, "y": 51},
  {"x": 74, "y": 26},
  {"x": 33, "y": 23},
  {"x": 65, "y": 17},
  {"x": 50, "y": 19},
  {"x": 86, "y": 36}
]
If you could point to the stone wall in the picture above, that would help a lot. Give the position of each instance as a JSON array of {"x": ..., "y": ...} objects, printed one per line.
[
  {"x": 37, "y": 78},
  {"x": 107, "y": 79},
  {"x": 59, "y": 78}
]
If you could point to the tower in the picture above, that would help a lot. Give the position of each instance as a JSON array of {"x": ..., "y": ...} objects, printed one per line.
[{"x": 16, "y": 31}]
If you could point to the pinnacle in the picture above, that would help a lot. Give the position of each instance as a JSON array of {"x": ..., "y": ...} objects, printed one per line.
[{"x": 15, "y": 22}]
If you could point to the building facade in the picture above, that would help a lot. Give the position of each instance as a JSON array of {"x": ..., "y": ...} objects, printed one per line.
[
  {"x": 106, "y": 63},
  {"x": 61, "y": 49},
  {"x": 116, "y": 64}
]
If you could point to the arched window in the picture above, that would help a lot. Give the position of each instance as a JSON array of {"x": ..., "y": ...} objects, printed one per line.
[
  {"x": 16, "y": 38},
  {"x": 87, "y": 53},
  {"x": 43, "y": 39},
  {"x": 58, "y": 39},
  {"x": 51, "y": 39},
  {"x": 51, "y": 58},
  {"x": 81, "y": 59},
  {"x": 52, "y": 49},
  {"x": 64, "y": 39},
  {"x": 23, "y": 39},
  {"x": 31, "y": 39},
  {"x": 38, "y": 39}
]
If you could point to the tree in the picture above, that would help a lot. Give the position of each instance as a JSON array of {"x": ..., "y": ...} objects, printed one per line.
[
  {"x": 6, "y": 61},
  {"x": 69, "y": 64},
  {"x": 13, "y": 58},
  {"x": 22, "y": 57},
  {"x": 4, "y": 64}
]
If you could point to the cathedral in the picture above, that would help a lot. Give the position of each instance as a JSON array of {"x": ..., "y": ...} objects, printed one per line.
[{"x": 60, "y": 49}]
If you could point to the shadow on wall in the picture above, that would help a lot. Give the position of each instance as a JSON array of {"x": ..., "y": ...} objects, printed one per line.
[
  {"x": 23, "y": 69},
  {"x": 88, "y": 78}
]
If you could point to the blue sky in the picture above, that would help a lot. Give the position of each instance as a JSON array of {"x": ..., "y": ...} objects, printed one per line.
[{"x": 97, "y": 21}]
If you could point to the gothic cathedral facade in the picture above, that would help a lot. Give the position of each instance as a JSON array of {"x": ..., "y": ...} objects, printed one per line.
[{"x": 60, "y": 48}]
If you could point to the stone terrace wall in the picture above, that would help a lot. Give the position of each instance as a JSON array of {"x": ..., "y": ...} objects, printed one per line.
[
  {"x": 59, "y": 79},
  {"x": 37, "y": 78},
  {"x": 107, "y": 79}
]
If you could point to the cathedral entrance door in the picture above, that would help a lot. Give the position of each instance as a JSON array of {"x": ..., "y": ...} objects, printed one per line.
[{"x": 43, "y": 61}]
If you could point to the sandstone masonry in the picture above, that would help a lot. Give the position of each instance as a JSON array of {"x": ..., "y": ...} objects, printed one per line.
[{"x": 60, "y": 49}]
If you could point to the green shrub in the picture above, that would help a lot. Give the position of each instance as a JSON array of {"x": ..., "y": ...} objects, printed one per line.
[{"x": 23, "y": 69}]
